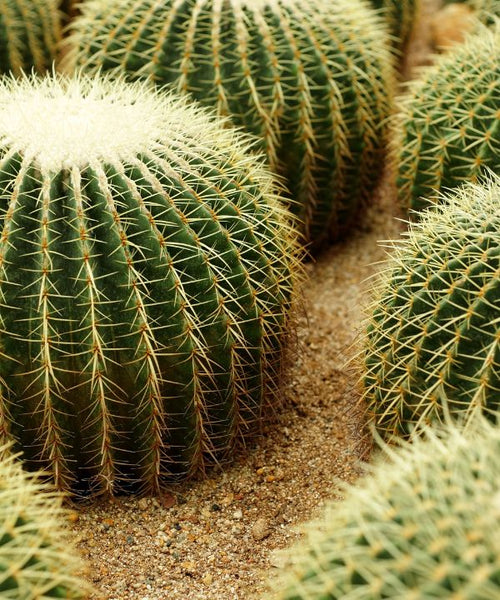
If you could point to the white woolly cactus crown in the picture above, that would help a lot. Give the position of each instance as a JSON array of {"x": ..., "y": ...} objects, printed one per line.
[{"x": 61, "y": 121}]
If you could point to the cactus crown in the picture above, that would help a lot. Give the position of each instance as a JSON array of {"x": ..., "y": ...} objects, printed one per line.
[
  {"x": 311, "y": 80},
  {"x": 425, "y": 524},
  {"x": 37, "y": 559},
  {"x": 29, "y": 33},
  {"x": 448, "y": 130},
  {"x": 433, "y": 339},
  {"x": 148, "y": 269},
  {"x": 59, "y": 124}
]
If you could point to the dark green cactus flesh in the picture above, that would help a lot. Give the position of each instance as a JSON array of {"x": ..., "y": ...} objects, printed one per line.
[
  {"x": 37, "y": 559},
  {"x": 29, "y": 33},
  {"x": 424, "y": 523},
  {"x": 311, "y": 80},
  {"x": 433, "y": 340},
  {"x": 449, "y": 127},
  {"x": 147, "y": 270}
]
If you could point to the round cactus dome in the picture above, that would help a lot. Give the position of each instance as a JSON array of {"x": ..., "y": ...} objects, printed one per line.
[
  {"x": 423, "y": 524},
  {"x": 147, "y": 273},
  {"x": 433, "y": 339},
  {"x": 311, "y": 80}
]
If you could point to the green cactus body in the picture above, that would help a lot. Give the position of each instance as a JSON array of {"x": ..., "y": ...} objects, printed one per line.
[
  {"x": 448, "y": 129},
  {"x": 29, "y": 33},
  {"x": 400, "y": 16},
  {"x": 147, "y": 275},
  {"x": 423, "y": 524},
  {"x": 310, "y": 79},
  {"x": 433, "y": 340},
  {"x": 37, "y": 559}
]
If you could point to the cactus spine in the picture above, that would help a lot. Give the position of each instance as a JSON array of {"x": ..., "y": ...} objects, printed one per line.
[
  {"x": 425, "y": 524},
  {"x": 433, "y": 340},
  {"x": 37, "y": 559},
  {"x": 147, "y": 273},
  {"x": 29, "y": 33},
  {"x": 448, "y": 129},
  {"x": 311, "y": 79}
]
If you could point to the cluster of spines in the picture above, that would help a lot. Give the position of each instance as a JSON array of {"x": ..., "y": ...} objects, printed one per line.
[
  {"x": 37, "y": 559},
  {"x": 422, "y": 524},
  {"x": 30, "y": 31},
  {"x": 433, "y": 338},
  {"x": 448, "y": 128},
  {"x": 311, "y": 80},
  {"x": 146, "y": 300}
]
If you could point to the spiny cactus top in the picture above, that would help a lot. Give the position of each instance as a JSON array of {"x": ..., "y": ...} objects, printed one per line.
[
  {"x": 433, "y": 340},
  {"x": 449, "y": 127},
  {"x": 311, "y": 79},
  {"x": 425, "y": 524},
  {"x": 400, "y": 16},
  {"x": 147, "y": 269},
  {"x": 37, "y": 559},
  {"x": 29, "y": 33}
]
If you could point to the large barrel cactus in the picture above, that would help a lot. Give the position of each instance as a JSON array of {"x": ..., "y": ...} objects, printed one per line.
[
  {"x": 400, "y": 16},
  {"x": 37, "y": 559},
  {"x": 433, "y": 340},
  {"x": 147, "y": 269},
  {"x": 423, "y": 524},
  {"x": 29, "y": 33},
  {"x": 448, "y": 129},
  {"x": 311, "y": 79}
]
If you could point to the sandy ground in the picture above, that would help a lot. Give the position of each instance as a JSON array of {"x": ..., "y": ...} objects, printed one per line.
[{"x": 214, "y": 539}]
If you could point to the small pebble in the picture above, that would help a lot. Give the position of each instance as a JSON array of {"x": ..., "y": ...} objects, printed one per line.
[{"x": 260, "y": 530}]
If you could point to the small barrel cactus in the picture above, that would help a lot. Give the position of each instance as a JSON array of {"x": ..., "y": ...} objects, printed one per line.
[
  {"x": 423, "y": 524},
  {"x": 37, "y": 559},
  {"x": 29, "y": 33},
  {"x": 400, "y": 16},
  {"x": 311, "y": 80},
  {"x": 448, "y": 129},
  {"x": 433, "y": 340},
  {"x": 147, "y": 271}
]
